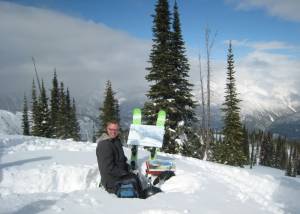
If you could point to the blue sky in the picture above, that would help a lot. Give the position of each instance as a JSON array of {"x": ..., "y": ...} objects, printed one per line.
[
  {"x": 253, "y": 23},
  {"x": 111, "y": 39}
]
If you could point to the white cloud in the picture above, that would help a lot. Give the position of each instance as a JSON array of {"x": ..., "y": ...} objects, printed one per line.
[
  {"x": 286, "y": 9},
  {"x": 263, "y": 45},
  {"x": 265, "y": 80},
  {"x": 85, "y": 54},
  {"x": 269, "y": 80}
]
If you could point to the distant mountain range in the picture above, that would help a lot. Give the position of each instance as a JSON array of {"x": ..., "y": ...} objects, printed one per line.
[
  {"x": 284, "y": 121},
  {"x": 288, "y": 125}
]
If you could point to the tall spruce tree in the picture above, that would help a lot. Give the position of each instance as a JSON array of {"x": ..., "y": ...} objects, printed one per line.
[
  {"x": 62, "y": 113},
  {"x": 109, "y": 109},
  {"x": 54, "y": 106},
  {"x": 36, "y": 114},
  {"x": 230, "y": 151},
  {"x": 117, "y": 106},
  {"x": 168, "y": 72},
  {"x": 45, "y": 125},
  {"x": 71, "y": 128},
  {"x": 68, "y": 113},
  {"x": 291, "y": 169},
  {"x": 182, "y": 94},
  {"x": 160, "y": 60},
  {"x": 298, "y": 159},
  {"x": 246, "y": 144},
  {"x": 25, "y": 120},
  {"x": 283, "y": 154},
  {"x": 266, "y": 151},
  {"x": 75, "y": 128}
]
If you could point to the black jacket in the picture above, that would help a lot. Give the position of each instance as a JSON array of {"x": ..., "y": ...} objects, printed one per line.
[{"x": 111, "y": 162}]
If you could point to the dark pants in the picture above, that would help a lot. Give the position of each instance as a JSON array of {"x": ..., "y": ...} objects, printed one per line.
[{"x": 131, "y": 177}]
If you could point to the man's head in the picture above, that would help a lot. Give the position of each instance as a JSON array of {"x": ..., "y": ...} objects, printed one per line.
[{"x": 112, "y": 129}]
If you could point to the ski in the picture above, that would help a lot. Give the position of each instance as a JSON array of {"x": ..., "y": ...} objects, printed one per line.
[
  {"x": 160, "y": 122},
  {"x": 136, "y": 120}
]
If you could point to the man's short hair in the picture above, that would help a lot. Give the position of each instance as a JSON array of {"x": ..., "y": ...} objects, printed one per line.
[{"x": 112, "y": 122}]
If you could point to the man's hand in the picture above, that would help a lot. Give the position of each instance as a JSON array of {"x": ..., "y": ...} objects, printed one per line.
[{"x": 136, "y": 171}]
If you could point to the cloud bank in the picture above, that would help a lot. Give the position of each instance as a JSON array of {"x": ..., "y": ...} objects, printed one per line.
[
  {"x": 287, "y": 9},
  {"x": 85, "y": 54}
]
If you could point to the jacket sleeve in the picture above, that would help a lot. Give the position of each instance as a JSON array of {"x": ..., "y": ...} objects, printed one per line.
[{"x": 106, "y": 163}]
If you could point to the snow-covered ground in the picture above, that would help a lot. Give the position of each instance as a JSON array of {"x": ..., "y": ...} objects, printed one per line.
[{"x": 40, "y": 175}]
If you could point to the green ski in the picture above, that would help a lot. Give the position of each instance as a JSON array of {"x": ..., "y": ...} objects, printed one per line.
[
  {"x": 161, "y": 119},
  {"x": 136, "y": 120}
]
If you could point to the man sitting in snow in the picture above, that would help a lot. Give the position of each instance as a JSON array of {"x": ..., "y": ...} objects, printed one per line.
[{"x": 112, "y": 162}]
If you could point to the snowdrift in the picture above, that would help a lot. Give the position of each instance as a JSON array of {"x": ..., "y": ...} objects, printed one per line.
[{"x": 40, "y": 175}]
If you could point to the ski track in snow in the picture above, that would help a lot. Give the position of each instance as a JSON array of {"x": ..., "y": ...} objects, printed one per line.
[
  {"x": 243, "y": 187},
  {"x": 40, "y": 175}
]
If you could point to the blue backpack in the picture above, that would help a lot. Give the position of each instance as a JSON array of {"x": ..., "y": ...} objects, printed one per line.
[{"x": 127, "y": 189}]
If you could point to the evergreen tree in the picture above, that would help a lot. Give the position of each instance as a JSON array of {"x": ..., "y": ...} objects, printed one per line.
[
  {"x": 45, "y": 125},
  {"x": 298, "y": 159},
  {"x": 36, "y": 115},
  {"x": 54, "y": 104},
  {"x": 183, "y": 97},
  {"x": 282, "y": 153},
  {"x": 259, "y": 139},
  {"x": 276, "y": 152},
  {"x": 25, "y": 120},
  {"x": 285, "y": 161},
  {"x": 60, "y": 120},
  {"x": 168, "y": 74},
  {"x": 108, "y": 111},
  {"x": 231, "y": 150},
  {"x": 117, "y": 106},
  {"x": 291, "y": 166},
  {"x": 75, "y": 129},
  {"x": 252, "y": 143},
  {"x": 62, "y": 113},
  {"x": 68, "y": 115},
  {"x": 246, "y": 144},
  {"x": 295, "y": 157},
  {"x": 160, "y": 68},
  {"x": 266, "y": 151}
]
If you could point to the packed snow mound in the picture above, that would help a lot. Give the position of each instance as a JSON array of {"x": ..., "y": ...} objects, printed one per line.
[
  {"x": 40, "y": 175},
  {"x": 48, "y": 172},
  {"x": 52, "y": 178},
  {"x": 10, "y": 123}
]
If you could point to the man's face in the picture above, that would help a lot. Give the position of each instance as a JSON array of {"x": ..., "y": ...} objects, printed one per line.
[{"x": 112, "y": 130}]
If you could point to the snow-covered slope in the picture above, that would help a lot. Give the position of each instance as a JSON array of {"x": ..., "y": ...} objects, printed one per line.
[
  {"x": 40, "y": 175},
  {"x": 10, "y": 123}
]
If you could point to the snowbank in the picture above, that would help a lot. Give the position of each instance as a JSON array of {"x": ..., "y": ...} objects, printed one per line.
[{"x": 40, "y": 175}]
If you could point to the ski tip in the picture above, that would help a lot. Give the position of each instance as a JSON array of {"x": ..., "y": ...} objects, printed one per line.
[
  {"x": 136, "y": 110},
  {"x": 161, "y": 118},
  {"x": 161, "y": 111}
]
